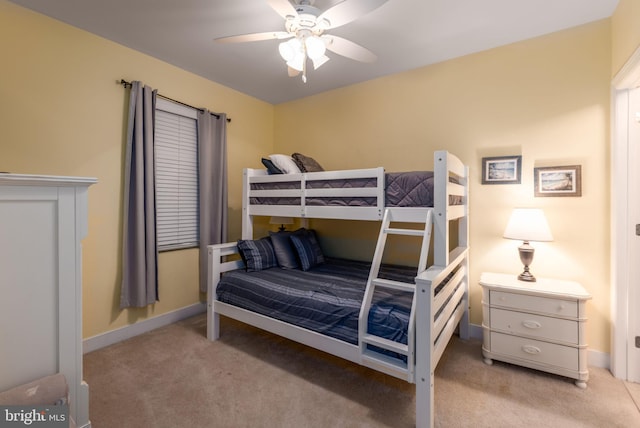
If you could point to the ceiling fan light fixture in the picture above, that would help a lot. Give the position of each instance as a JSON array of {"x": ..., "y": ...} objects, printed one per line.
[
  {"x": 306, "y": 24},
  {"x": 297, "y": 62},
  {"x": 289, "y": 49},
  {"x": 285, "y": 51},
  {"x": 315, "y": 47},
  {"x": 317, "y": 62}
]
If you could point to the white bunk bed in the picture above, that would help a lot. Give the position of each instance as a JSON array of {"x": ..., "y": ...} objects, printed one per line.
[{"x": 434, "y": 314}]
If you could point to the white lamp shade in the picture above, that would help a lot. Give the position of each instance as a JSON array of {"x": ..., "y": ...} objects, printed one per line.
[
  {"x": 286, "y": 52},
  {"x": 317, "y": 62},
  {"x": 298, "y": 59},
  {"x": 528, "y": 224},
  {"x": 315, "y": 47},
  {"x": 296, "y": 63},
  {"x": 289, "y": 49}
]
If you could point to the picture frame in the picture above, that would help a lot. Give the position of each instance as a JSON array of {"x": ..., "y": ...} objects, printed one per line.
[
  {"x": 558, "y": 181},
  {"x": 502, "y": 170}
]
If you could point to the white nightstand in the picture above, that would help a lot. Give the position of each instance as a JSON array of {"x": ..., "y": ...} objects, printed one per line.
[{"x": 540, "y": 325}]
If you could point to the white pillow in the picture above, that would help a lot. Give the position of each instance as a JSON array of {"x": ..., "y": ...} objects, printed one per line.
[{"x": 285, "y": 163}]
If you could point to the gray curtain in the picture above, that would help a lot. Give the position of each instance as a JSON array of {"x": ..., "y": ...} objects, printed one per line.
[
  {"x": 140, "y": 250},
  {"x": 212, "y": 154}
]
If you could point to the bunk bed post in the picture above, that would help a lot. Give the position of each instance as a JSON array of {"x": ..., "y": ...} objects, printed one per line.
[
  {"x": 247, "y": 218},
  {"x": 440, "y": 204},
  {"x": 463, "y": 241},
  {"x": 425, "y": 367},
  {"x": 380, "y": 197},
  {"x": 442, "y": 165},
  {"x": 213, "y": 276}
]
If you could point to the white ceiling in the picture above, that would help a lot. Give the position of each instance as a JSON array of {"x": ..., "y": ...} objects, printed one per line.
[{"x": 404, "y": 34}]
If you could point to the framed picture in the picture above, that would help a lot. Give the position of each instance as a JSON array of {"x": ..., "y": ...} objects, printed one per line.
[
  {"x": 502, "y": 170},
  {"x": 558, "y": 181}
]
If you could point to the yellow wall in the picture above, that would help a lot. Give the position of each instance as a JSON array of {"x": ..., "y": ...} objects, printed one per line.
[
  {"x": 546, "y": 99},
  {"x": 625, "y": 33},
  {"x": 62, "y": 113}
]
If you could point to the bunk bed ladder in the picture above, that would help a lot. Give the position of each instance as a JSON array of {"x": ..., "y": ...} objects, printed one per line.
[{"x": 372, "y": 357}]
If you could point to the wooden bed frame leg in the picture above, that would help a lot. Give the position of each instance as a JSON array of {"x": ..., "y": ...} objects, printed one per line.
[
  {"x": 213, "y": 276},
  {"x": 464, "y": 332},
  {"x": 464, "y": 321},
  {"x": 425, "y": 367},
  {"x": 425, "y": 417},
  {"x": 213, "y": 325}
]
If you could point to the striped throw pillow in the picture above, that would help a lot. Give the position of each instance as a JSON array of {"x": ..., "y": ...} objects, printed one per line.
[{"x": 257, "y": 254}]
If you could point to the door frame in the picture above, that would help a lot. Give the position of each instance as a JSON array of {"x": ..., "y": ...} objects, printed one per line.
[{"x": 627, "y": 78}]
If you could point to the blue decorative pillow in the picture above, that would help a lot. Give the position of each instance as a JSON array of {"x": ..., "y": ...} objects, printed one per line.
[
  {"x": 271, "y": 166},
  {"x": 308, "y": 249},
  {"x": 286, "y": 254},
  {"x": 257, "y": 254}
]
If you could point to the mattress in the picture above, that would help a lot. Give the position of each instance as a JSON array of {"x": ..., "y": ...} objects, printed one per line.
[
  {"x": 326, "y": 299},
  {"x": 402, "y": 189}
]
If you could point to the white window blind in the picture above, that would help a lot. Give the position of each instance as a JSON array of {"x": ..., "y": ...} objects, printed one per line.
[{"x": 176, "y": 151}]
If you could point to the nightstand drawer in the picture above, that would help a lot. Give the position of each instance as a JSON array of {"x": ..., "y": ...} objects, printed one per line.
[
  {"x": 545, "y": 305},
  {"x": 520, "y": 323},
  {"x": 535, "y": 350}
]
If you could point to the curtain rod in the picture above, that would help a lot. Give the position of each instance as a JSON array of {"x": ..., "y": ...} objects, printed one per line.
[{"x": 126, "y": 84}]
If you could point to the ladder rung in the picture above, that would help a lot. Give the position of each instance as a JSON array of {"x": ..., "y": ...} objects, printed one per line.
[
  {"x": 387, "y": 344},
  {"x": 396, "y": 285},
  {"x": 394, "y": 366},
  {"x": 408, "y": 232}
]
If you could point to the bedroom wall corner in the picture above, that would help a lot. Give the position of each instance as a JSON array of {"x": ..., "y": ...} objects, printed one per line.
[{"x": 625, "y": 33}]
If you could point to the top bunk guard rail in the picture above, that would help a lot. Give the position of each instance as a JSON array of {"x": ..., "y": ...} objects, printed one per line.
[
  {"x": 448, "y": 167},
  {"x": 299, "y": 188}
]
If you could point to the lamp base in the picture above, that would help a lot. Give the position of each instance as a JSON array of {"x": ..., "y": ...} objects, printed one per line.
[
  {"x": 526, "y": 257},
  {"x": 527, "y": 276}
]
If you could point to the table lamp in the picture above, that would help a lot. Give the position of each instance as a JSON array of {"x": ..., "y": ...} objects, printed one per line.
[{"x": 527, "y": 224}]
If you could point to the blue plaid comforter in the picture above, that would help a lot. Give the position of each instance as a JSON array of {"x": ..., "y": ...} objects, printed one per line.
[{"x": 325, "y": 299}]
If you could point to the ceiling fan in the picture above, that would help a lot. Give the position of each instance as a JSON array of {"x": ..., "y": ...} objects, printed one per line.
[{"x": 305, "y": 27}]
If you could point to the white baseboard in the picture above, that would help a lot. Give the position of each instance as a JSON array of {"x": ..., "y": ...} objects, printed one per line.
[
  {"x": 599, "y": 359},
  {"x": 118, "y": 335},
  {"x": 594, "y": 358},
  {"x": 475, "y": 331}
]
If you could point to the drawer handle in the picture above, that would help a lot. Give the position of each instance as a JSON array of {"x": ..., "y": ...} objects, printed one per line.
[
  {"x": 530, "y": 349},
  {"x": 531, "y": 324}
]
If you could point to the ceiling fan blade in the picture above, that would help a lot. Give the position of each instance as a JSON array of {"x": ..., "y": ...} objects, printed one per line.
[
  {"x": 348, "y": 49},
  {"x": 283, "y": 7},
  {"x": 254, "y": 37},
  {"x": 349, "y": 10}
]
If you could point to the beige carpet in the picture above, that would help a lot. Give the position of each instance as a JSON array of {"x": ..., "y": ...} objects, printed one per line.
[{"x": 173, "y": 377}]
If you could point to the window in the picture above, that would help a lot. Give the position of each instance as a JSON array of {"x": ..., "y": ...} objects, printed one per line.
[{"x": 176, "y": 151}]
